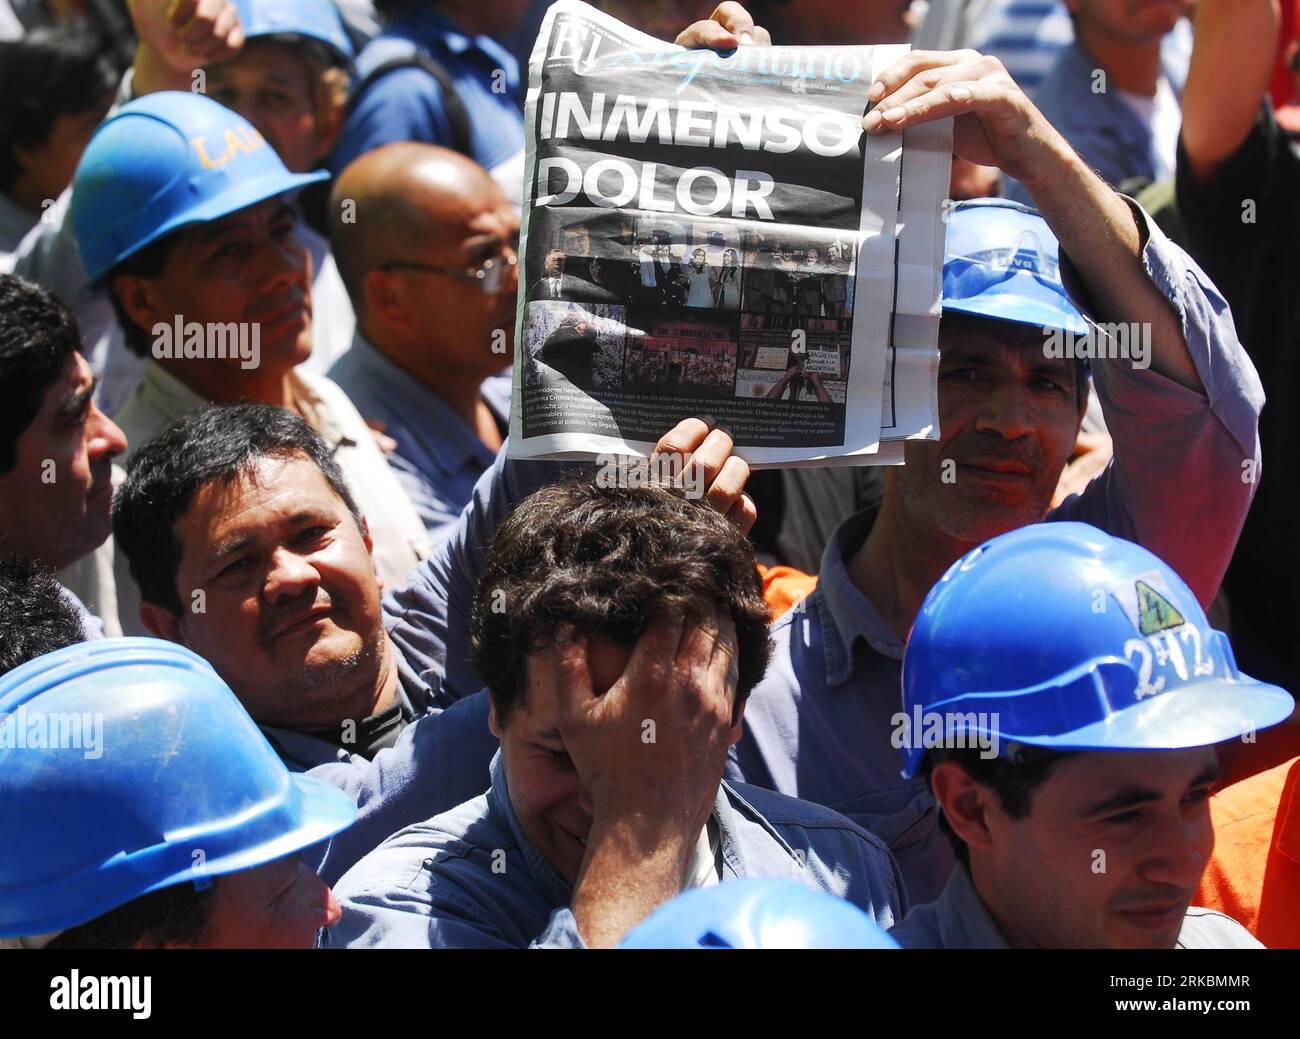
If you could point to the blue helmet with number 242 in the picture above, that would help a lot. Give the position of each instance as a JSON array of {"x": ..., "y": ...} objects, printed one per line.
[{"x": 1060, "y": 636}]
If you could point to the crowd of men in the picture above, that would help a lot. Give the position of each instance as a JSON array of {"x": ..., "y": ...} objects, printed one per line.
[{"x": 293, "y": 654}]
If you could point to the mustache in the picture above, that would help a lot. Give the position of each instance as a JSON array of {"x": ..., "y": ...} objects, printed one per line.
[
  {"x": 985, "y": 448},
  {"x": 282, "y": 615},
  {"x": 1156, "y": 894}
]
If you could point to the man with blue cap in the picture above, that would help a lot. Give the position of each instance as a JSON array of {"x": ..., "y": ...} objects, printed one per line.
[
  {"x": 284, "y": 66},
  {"x": 141, "y": 807},
  {"x": 184, "y": 211},
  {"x": 1072, "y": 752},
  {"x": 1021, "y": 290}
]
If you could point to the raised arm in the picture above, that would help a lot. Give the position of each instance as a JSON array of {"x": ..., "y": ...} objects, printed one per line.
[{"x": 1227, "y": 80}]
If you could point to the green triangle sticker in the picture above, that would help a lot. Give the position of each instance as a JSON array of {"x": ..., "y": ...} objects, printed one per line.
[{"x": 1155, "y": 612}]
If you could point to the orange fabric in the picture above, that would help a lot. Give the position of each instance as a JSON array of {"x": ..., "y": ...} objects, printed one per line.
[
  {"x": 783, "y": 586},
  {"x": 1254, "y": 874}
]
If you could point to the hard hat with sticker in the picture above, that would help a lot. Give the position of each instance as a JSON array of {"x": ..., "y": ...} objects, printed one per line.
[{"x": 1061, "y": 636}]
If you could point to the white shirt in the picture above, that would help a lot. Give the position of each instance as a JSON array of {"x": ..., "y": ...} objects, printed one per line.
[{"x": 1165, "y": 117}]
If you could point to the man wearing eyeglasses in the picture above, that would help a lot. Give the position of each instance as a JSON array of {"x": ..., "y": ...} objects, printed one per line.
[{"x": 427, "y": 253}]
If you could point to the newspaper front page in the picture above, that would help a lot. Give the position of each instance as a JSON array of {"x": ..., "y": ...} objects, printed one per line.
[{"x": 717, "y": 236}]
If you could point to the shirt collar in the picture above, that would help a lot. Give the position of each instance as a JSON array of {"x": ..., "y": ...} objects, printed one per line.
[
  {"x": 166, "y": 392},
  {"x": 553, "y": 887},
  {"x": 442, "y": 434},
  {"x": 848, "y": 614},
  {"x": 558, "y": 893},
  {"x": 963, "y": 918}
]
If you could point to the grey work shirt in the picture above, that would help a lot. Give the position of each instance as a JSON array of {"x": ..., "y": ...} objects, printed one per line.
[
  {"x": 818, "y": 726},
  {"x": 441, "y": 760},
  {"x": 438, "y": 457},
  {"x": 470, "y": 878},
  {"x": 959, "y": 919},
  {"x": 1108, "y": 135}
]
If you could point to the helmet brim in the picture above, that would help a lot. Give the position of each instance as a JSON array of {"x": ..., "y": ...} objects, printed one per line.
[
  {"x": 238, "y": 196},
  {"x": 1197, "y": 715},
  {"x": 1018, "y": 310}
]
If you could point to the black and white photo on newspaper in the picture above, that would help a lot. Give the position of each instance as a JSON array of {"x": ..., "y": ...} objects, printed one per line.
[{"x": 716, "y": 235}]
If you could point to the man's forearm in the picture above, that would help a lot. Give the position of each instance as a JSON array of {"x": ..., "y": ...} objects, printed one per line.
[
  {"x": 1100, "y": 234},
  {"x": 623, "y": 881}
]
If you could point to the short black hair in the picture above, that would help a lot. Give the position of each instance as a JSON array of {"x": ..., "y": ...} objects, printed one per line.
[
  {"x": 38, "y": 335},
  {"x": 178, "y": 914},
  {"x": 215, "y": 444},
  {"x": 609, "y": 561},
  {"x": 1012, "y": 779},
  {"x": 61, "y": 70},
  {"x": 36, "y": 615}
]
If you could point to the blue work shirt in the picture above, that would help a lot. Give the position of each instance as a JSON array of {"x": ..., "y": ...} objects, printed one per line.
[
  {"x": 428, "y": 618},
  {"x": 440, "y": 760},
  {"x": 438, "y": 457},
  {"x": 471, "y": 878},
  {"x": 819, "y": 727},
  {"x": 1108, "y": 135},
  {"x": 959, "y": 919},
  {"x": 407, "y": 103}
]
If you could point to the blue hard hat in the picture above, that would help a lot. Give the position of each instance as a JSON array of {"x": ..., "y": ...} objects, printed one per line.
[
  {"x": 317, "y": 20},
  {"x": 164, "y": 162},
  {"x": 758, "y": 913},
  {"x": 1058, "y": 635},
  {"x": 177, "y": 783},
  {"x": 1002, "y": 261}
]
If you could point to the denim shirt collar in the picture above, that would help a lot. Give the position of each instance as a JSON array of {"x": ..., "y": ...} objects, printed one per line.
[
  {"x": 963, "y": 919},
  {"x": 847, "y": 614},
  {"x": 552, "y": 886},
  {"x": 730, "y": 818}
]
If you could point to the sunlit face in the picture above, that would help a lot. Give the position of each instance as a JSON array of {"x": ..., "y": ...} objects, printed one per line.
[
  {"x": 1008, "y": 419},
  {"x": 1109, "y": 855},
  {"x": 272, "y": 86},
  {"x": 291, "y": 618},
  {"x": 554, "y": 263},
  {"x": 464, "y": 326},
  {"x": 280, "y": 905},
  {"x": 248, "y": 267},
  {"x": 55, "y": 501}
]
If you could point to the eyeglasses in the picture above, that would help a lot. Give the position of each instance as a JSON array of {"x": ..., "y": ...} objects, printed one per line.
[{"x": 490, "y": 274}]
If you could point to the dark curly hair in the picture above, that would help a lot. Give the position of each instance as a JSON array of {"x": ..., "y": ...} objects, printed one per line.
[
  {"x": 36, "y": 617},
  {"x": 609, "y": 561}
]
